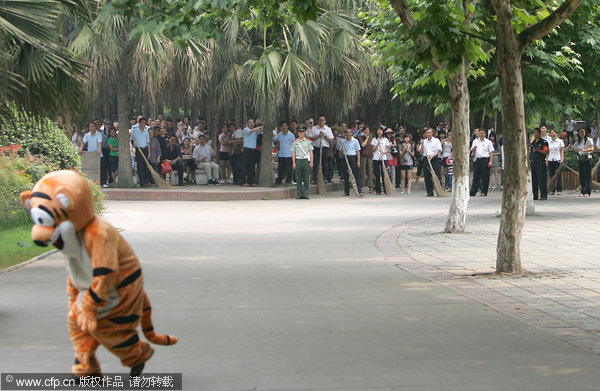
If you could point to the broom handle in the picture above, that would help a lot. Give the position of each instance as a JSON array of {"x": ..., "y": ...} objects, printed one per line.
[
  {"x": 144, "y": 156},
  {"x": 320, "y": 153}
]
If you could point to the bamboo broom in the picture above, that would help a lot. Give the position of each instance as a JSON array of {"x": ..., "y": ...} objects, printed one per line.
[
  {"x": 389, "y": 186},
  {"x": 320, "y": 180},
  {"x": 552, "y": 182},
  {"x": 436, "y": 181},
  {"x": 351, "y": 176},
  {"x": 161, "y": 183}
]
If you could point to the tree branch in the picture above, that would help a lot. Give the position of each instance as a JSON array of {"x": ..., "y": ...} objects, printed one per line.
[
  {"x": 488, "y": 40},
  {"x": 403, "y": 11},
  {"x": 546, "y": 25}
]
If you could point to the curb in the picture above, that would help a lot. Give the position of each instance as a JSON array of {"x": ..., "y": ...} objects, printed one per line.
[
  {"x": 251, "y": 194},
  {"x": 29, "y": 262}
]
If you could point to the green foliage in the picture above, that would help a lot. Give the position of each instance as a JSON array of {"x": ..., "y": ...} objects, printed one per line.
[
  {"x": 98, "y": 196},
  {"x": 39, "y": 137},
  {"x": 204, "y": 19},
  {"x": 422, "y": 59},
  {"x": 13, "y": 180},
  {"x": 38, "y": 72},
  {"x": 18, "y": 173}
]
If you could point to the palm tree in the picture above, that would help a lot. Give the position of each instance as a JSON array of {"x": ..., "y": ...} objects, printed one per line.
[
  {"x": 147, "y": 64},
  {"x": 40, "y": 75},
  {"x": 321, "y": 62}
]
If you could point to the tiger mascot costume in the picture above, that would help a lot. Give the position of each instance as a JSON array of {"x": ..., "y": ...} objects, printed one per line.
[{"x": 107, "y": 301}]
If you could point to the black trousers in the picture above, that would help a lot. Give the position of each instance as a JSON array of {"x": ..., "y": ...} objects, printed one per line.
[
  {"x": 284, "y": 170},
  {"x": 179, "y": 168},
  {"x": 317, "y": 155},
  {"x": 435, "y": 163},
  {"x": 142, "y": 168},
  {"x": 553, "y": 166},
  {"x": 379, "y": 168},
  {"x": 481, "y": 176},
  {"x": 340, "y": 163},
  {"x": 249, "y": 158},
  {"x": 342, "y": 167},
  {"x": 539, "y": 178},
  {"x": 352, "y": 160},
  {"x": 585, "y": 176},
  {"x": 105, "y": 167},
  {"x": 330, "y": 168},
  {"x": 236, "y": 168}
]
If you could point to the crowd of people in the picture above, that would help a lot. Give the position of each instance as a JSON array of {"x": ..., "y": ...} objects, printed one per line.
[{"x": 301, "y": 149}]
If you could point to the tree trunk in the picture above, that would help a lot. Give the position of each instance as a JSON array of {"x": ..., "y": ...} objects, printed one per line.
[
  {"x": 530, "y": 208},
  {"x": 461, "y": 100},
  {"x": 265, "y": 178},
  {"x": 125, "y": 172},
  {"x": 508, "y": 64},
  {"x": 98, "y": 112}
]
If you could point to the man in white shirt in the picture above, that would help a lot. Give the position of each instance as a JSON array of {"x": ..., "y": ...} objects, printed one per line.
[
  {"x": 203, "y": 156},
  {"x": 431, "y": 148},
  {"x": 93, "y": 140},
  {"x": 284, "y": 140},
  {"x": 482, "y": 151},
  {"x": 320, "y": 135},
  {"x": 351, "y": 148},
  {"x": 141, "y": 141}
]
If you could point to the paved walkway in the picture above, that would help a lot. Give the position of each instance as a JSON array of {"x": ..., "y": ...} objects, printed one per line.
[
  {"x": 560, "y": 290},
  {"x": 296, "y": 295}
]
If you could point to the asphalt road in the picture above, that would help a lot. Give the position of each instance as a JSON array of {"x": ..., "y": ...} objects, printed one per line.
[{"x": 293, "y": 295}]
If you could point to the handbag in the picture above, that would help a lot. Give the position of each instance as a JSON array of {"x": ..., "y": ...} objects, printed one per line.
[
  {"x": 393, "y": 162},
  {"x": 166, "y": 168}
]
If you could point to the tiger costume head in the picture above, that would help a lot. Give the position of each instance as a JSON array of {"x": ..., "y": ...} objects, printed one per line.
[{"x": 57, "y": 198}]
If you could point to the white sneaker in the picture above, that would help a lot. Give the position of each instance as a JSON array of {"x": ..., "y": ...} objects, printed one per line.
[
  {"x": 402, "y": 193},
  {"x": 104, "y": 186},
  {"x": 408, "y": 193},
  {"x": 230, "y": 181},
  {"x": 221, "y": 181},
  {"x": 293, "y": 183}
]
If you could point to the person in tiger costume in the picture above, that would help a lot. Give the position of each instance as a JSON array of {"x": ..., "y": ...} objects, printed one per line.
[{"x": 107, "y": 301}]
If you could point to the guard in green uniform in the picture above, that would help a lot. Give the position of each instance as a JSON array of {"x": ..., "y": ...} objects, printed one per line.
[{"x": 302, "y": 161}]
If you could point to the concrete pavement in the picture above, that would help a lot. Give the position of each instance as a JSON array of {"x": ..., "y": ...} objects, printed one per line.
[{"x": 299, "y": 295}]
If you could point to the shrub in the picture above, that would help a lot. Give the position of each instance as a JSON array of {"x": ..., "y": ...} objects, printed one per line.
[
  {"x": 39, "y": 137},
  {"x": 18, "y": 173},
  {"x": 12, "y": 183}
]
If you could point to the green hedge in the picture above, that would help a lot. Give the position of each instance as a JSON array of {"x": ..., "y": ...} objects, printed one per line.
[
  {"x": 39, "y": 137},
  {"x": 12, "y": 183},
  {"x": 18, "y": 173}
]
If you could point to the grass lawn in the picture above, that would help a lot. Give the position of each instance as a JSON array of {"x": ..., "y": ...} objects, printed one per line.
[{"x": 16, "y": 246}]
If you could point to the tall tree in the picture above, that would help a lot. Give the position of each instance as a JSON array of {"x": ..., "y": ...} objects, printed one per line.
[
  {"x": 433, "y": 43},
  {"x": 145, "y": 65},
  {"x": 511, "y": 45},
  {"x": 276, "y": 55}
]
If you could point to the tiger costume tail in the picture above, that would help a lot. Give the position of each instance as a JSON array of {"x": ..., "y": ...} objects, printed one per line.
[{"x": 148, "y": 328}]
